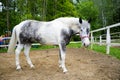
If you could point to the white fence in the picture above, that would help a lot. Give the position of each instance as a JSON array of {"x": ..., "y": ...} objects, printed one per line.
[
  {"x": 115, "y": 39},
  {"x": 4, "y": 43},
  {"x": 108, "y": 36}
]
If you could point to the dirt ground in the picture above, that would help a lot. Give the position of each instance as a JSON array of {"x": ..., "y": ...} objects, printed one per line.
[{"x": 82, "y": 64}]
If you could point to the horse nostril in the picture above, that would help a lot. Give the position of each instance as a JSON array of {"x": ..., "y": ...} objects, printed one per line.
[{"x": 86, "y": 45}]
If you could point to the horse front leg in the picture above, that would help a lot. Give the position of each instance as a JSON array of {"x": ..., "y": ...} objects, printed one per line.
[{"x": 62, "y": 54}]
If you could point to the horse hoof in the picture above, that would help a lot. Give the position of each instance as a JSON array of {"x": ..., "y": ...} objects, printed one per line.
[
  {"x": 18, "y": 68},
  {"x": 65, "y": 71},
  {"x": 32, "y": 67},
  {"x": 60, "y": 66}
]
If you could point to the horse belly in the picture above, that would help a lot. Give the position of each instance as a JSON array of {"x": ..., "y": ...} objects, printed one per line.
[
  {"x": 49, "y": 39},
  {"x": 50, "y": 34}
]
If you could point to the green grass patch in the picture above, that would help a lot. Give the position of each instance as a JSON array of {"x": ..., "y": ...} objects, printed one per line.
[
  {"x": 42, "y": 47},
  {"x": 74, "y": 45},
  {"x": 99, "y": 48},
  {"x": 114, "y": 51},
  {"x": 3, "y": 50}
]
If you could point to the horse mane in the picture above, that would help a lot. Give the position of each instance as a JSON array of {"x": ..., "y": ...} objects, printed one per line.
[{"x": 68, "y": 20}]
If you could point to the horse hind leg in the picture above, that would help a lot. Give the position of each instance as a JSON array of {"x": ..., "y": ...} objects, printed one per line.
[
  {"x": 17, "y": 53},
  {"x": 26, "y": 52}
]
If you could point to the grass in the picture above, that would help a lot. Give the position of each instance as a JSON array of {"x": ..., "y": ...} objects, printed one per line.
[
  {"x": 3, "y": 50},
  {"x": 115, "y": 52},
  {"x": 99, "y": 48},
  {"x": 43, "y": 47}
]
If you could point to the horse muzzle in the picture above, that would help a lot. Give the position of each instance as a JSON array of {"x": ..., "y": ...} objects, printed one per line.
[{"x": 85, "y": 41}]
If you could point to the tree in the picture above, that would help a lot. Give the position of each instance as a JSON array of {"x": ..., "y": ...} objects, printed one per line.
[
  {"x": 60, "y": 8},
  {"x": 26, "y": 9},
  {"x": 7, "y": 16},
  {"x": 86, "y": 10},
  {"x": 102, "y": 12},
  {"x": 109, "y": 13}
]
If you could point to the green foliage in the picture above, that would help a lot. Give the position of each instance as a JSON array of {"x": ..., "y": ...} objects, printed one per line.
[
  {"x": 28, "y": 9},
  {"x": 75, "y": 38},
  {"x": 86, "y": 10},
  {"x": 60, "y": 8},
  {"x": 109, "y": 13},
  {"x": 2, "y": 23},
  {"x": 102, "y": 12}
]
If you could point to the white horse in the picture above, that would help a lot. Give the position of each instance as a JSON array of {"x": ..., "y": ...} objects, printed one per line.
[{"x": 56, "y": 32}]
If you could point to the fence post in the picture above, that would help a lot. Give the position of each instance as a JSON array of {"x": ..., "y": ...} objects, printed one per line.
[
  {"x": 100, "y": 40},
  {"x": 95, "y": 39},
  {"x": 108, "y": 41},
  {"x": 91, "y": 40}
]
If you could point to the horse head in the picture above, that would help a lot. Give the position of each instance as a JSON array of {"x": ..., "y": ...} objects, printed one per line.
[{"x": 85, "y": 31}]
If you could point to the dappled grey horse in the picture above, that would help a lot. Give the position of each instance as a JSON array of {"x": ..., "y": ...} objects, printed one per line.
[{"x": 55, "y": 32}]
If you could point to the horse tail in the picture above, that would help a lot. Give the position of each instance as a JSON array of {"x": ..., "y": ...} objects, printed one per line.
[{"x": 12, "y": 42}]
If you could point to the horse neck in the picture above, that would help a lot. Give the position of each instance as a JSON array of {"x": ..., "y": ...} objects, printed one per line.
[
  {"x": 67, "y": 20},
  {"x": 73, "y": 25},
  {"x": 70, "y": 21}
]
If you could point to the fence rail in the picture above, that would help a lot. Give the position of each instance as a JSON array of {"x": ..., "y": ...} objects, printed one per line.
[
  {"x": 108, "y": 36},
  {"x": 111, "y": 26},
  {"x": 6, "y": 44}
]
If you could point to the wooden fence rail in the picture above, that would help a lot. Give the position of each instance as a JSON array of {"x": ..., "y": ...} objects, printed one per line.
[{"x": 108, "y": 37}]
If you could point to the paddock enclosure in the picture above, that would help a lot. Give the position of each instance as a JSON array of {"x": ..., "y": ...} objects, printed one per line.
[{"x": 82, "y": 64}]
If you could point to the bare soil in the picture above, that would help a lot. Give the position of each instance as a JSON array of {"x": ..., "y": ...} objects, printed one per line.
[{"x": 82, "y": 64}]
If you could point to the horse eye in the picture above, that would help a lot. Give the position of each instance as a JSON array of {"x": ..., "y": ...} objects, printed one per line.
[{"x": 81, "y": 30}]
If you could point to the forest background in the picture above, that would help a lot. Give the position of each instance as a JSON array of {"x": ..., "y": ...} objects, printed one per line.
[{"x": 102, "y": 12}]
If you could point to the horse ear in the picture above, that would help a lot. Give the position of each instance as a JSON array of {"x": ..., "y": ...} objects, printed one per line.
[
  {"x": 89, "y": 20},
  {"x": 80, "y": 20}
]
